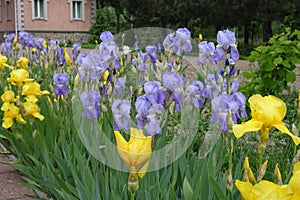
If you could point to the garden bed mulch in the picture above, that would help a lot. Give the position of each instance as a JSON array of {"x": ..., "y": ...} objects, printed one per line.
[{"x": 11, "y": 181}]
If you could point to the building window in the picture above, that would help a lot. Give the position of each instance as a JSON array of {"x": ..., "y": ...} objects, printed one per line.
[
  {"x": 77, "y": 9},
  {"x": 8, "y": 18},
  {"x": 39, "y": 9}
]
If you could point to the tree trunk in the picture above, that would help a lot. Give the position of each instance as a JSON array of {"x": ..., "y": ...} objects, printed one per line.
[
  {"x": 267, "y": 31},
  {"x": 246, "y": 34}
]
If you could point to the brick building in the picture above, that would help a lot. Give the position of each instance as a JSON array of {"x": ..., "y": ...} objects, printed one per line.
[{"x": 55, "y": 19}]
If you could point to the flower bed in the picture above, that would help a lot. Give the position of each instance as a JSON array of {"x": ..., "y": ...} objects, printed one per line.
[{"x": 134, "y": 119}]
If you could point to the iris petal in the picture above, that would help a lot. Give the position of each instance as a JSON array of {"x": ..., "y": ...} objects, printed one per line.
[
  {"x": 240, "y": 129},
  {"x": 283, "y": 129}
]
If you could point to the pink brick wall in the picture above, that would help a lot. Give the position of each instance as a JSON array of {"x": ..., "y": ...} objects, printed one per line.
[
  {"x": 58, "y": 18},
  {"x": 4, "y": 24}
]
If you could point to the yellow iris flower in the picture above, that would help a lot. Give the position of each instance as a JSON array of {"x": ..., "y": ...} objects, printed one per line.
[
  {"x": 18, "y": 76},
  {"x": 67, "y": 57},
  {"x": 23, "y": 63},
  {"x": 7, "y": 97},
  {"x": 136, "y": 152},
  {"x": 267, "y": 112},
  {"x": 11, "y": 112},
  {"x": 105, "y": 77},
  {"x": 266, "y": 190},
  {"x": 3, "y": 60},
  {"x": 32, "y": 90},
  {"x": 31, "y": 109}
]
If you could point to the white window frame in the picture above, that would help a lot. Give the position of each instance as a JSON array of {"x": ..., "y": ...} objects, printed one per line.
[
  {"x": 8, "y": 9},
  {"x": 45, "y": 17},
  {"x": 73, "y": 18}
]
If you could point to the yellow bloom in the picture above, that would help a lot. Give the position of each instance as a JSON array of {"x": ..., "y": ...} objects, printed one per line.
[
  {"x": 3, "y": 60},
  {"x": 137, "y": 152},
  {"x": 7, "y": 97},
  {"x": 31, "y": 109},
  {"x": 44, "y": 43},
  {"x": 105, "y": 77},
  {"x": 267, "y": 112},
  {"x": 264, "y": 190},
  {"x": 15, "y": 40},
  {"x": 32, "y": 90},
  {"x": 67, "y": 57},
  {"x": 18, "y": 76},
  {"x": 200, "y": 37},
  {"x": 23, "y": 63},
  {"x": 11, "y": 112}
]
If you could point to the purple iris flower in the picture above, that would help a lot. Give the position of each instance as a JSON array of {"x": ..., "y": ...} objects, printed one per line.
[
  {"x": 117, "y": 63},
  {"x": 172, "y": 80},
  {"x": 75, "y": 51},
  {"x": 214, "y": 84},
  {"x": 60, "y": 83},
  {"x": 22, "y": 36},
  {"x": 29, "y": 42},
  {"x": 179, "y": 42},
  {"x": 121, "y": 111},
  {"x": 206, "y": 50},
  {"x": 152, "y": 121},
  {"x": 221, "y": 105},
  {"x": 119, "y": 87},
  {"x": 53, "y": 44},
  {"x": 234, "y": 86},
  {"x": 10, "y": 37},
  {"x": 6, "y": 48},
  {"x": 91, "y": 67},
  {"x": 241, "y": 101},
  {"x": 39, "y": 43},
  {"x": 91, "y": 104},
  {"x": 154, "y": 93},
  {"x": 151, "y": 51},
  {"x": 59, "y": 56},
  {"x": 195, "y": 94},
  {"x": 106, "y": 36},
  {"x": 177, "y": 97},
  {"x": 108, "y": 48},
  {"x": 142, "y": 105},
  {"x": 142, "y": 61},
  {"x": 226, "y": 44}
]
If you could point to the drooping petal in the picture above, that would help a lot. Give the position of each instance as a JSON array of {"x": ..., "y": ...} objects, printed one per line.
[
  {"x": 284, "y": 129},
  {"x": 240, "y": 129},
  {"x": 38, "y": 115},
  {"x": 7, "y": 122}
]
